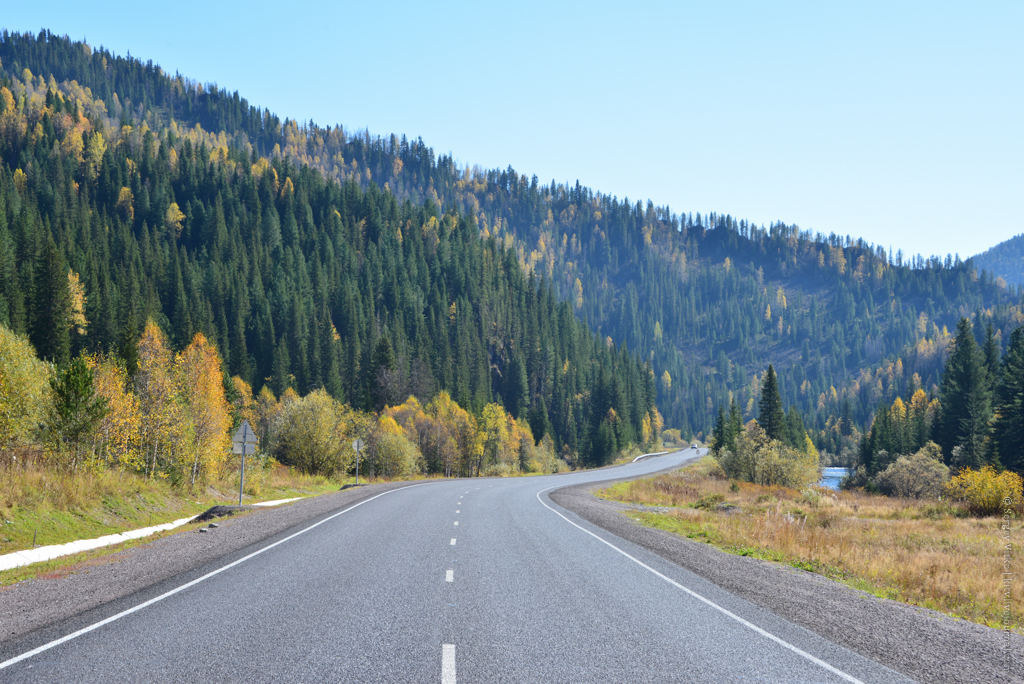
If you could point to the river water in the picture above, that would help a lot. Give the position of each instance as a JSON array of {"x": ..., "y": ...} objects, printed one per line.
[{"x": 830, "y": 477}]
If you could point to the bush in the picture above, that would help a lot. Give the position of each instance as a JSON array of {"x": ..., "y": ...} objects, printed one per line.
[
  {"x": 919, "y": 476},
  {"x": 985, "y": 491},
  {"x": 314, "y": 434},
  {"x": 709, "y": 501},
  {"x": 766, "y": 461},
  {"x": 391, "y": 454},
  {"x": 708, "y": 466},
  {"x": 24, "y": 389}
]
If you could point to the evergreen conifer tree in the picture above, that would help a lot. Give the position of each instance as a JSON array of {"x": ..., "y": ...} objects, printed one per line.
[
  {"x": 718, "y": 432},
  {"x": 1009, "y": 424},
  {"x": 771, "y": 417},
  {"x": 992, "y": 351},
  {"x": 76, "y": 408},
  {"x": 51, "y": 320},
  {"x": 735, "y": 426},
  {"x": 965, "y": 397}
]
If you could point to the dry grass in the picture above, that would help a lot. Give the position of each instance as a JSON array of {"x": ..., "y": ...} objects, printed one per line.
[
  {"x": 42, "y": 505},
  {"x": 923, "y": 552}
]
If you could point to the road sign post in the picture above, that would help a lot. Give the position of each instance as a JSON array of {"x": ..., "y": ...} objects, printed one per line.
[
  {"x": 358, "y": 446},
  {"x": 244, "y": 442}
]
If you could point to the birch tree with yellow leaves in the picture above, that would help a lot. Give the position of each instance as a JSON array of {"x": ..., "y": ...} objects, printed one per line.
[
  {"x": 206, "y": 412},
  {"x": 118, "y": 433},
  {"x": 159, "y": 410}
]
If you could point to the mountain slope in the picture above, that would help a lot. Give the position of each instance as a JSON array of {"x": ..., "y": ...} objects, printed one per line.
[
  {"x": 301, "y": 281},
  {"x": 709, "y": 301},
  {"x": 1005, "y": 260}
]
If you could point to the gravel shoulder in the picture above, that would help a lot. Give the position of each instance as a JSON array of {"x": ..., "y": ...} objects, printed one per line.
[
  {"x": 920, "y": 643},
  {"x": 98, "y": 585}
]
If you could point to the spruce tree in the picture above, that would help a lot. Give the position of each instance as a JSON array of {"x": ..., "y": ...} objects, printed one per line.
[
  {"x": 965, "y": 397},
  {"x": 992, "y": 356},
  {"x": 1009, "y": 404},
  {"x": 795, "y": 430},
  {"x": 718, "y": 432},
  {"x": 771, "y": 417},
  {"x": 383, "y": 367},
  {"x": 76, "y": 408},
  {"x": 540, "y": 424},
  {"x": 51, "y": 320},
  {"x": 734, "y": 427}
]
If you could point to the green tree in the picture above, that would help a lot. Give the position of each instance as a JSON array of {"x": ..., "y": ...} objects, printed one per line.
[
  {"x": 76, "y": 408},
  {"x": 718, "y": 432},
  {"x": 51, "y": 320},
  {"x": 537, "y": 416},
  {"x": 1009, "y": 405},
  {"x": 382, "y": 381},
  {"x": 23, "y": 389},
  {"x": 795, "y": 431},
  {"x": 735, "y": 426},
  {"x": 771, "y": 417},
  {"x": 991, "y": 351},
  {"x": 965, "y": 396}
]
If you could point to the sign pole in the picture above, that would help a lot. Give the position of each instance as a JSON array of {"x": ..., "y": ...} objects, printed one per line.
[
  {"x": 357, "y": 444},
  {"x": 244, "y": 442},
  {"x": 241, "y": 481}
]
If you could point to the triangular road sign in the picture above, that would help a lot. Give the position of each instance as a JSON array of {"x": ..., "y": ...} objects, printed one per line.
[{"x": 244, "y": 435}]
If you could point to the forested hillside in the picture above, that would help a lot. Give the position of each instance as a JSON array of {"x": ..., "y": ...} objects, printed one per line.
[
  {"x": 707, "y": 301},
  {"x": 108, "y": 220},
  {"x": 1005, "y": 260}
]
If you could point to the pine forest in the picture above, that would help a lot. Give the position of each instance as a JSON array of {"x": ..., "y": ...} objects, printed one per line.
[{"x": 155, "y": 230}]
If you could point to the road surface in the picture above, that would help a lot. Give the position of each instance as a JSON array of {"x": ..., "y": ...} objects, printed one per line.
[{"x": 443, "y": 581}]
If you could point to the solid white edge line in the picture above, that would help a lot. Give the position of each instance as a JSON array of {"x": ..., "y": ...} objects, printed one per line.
[
  {"x": 709, "y": 602},
  {"x": 183, "y": 587},
  {"x": 448, "y": 664}
]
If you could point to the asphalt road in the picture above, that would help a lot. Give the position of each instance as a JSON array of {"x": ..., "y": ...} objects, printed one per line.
[{"x": 445, "y": 581}]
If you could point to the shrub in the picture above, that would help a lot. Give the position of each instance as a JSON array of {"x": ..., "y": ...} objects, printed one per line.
[
  {"x": 809, "y": 497},
  {"x": 766, "y": 461},
  {"x": 390, "y": 453},
  {"x": 314, "y": 434},
  {"x": 919, "y": 476},
  {"x": 709, "y": 501},
  {"x": 985, "y": 491},
  {"x": 708, "y": 466},
  {"x": 24, "y": 389}
]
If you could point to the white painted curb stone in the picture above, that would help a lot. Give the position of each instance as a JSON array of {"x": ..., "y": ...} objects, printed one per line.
[{"x": 45, "y": 553}]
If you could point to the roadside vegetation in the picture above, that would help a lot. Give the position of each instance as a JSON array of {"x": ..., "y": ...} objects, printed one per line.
[
  {"x": 930, "y": 552},
  {"x": 46, "y": 506}
]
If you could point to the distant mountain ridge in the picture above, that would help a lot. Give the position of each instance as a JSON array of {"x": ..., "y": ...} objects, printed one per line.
[
  {"x": 709, "y": 301},
  {"x": 1005, "y": 260}
]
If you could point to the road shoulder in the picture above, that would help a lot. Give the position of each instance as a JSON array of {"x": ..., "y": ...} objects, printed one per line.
[
  {"x": 49, "y": 600},
  {"x": 920, "y": 643}
]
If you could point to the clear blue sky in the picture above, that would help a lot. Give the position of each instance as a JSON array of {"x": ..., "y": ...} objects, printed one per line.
[{"x": 900, "y": 122}]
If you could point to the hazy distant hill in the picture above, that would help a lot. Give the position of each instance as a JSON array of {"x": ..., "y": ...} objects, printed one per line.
[{"x": 1005, "y": 260}]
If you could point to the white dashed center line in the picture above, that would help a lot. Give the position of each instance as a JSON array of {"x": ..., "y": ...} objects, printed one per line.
[
  {"x": 449, "y": 575},
  {"x": 456, "y": 523},
  {"x": 453, "y": 542},
  {"x": 448, "y": 664},
  {"x": 458, "y": 511}
]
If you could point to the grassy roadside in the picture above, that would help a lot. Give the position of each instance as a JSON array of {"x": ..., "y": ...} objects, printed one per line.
[
  {"x": 55, "y": 508},
  {"x": 922, "y": 552}
]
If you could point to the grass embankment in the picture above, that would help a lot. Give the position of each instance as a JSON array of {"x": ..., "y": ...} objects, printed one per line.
[
  {"x": 923, "y": 552},
  {"x": 52, "y": 507}
]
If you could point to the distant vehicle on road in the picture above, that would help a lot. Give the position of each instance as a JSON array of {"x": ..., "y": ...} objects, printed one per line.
[{"x": 693, "y": 446}]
